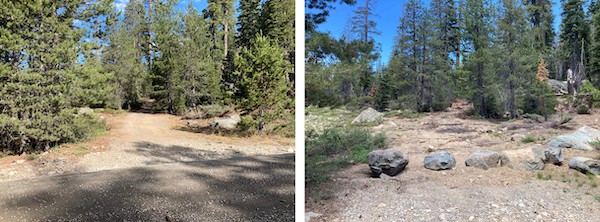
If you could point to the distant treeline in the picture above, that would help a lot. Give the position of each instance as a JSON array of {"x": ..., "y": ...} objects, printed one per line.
[{"x": 496, "y": 54}]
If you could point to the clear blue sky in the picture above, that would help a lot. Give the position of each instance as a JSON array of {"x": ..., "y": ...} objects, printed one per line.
[{"x": 389, "y": 12}]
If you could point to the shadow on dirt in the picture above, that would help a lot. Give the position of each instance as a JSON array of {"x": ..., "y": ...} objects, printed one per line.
[{"x": 224, "y": 188}]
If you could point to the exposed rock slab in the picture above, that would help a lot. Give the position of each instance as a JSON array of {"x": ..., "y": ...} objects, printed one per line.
[{"x": 579, "y": 139}]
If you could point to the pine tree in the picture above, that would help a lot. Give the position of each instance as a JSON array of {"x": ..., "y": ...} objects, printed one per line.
[
  {"x": 126, "y": 53},
  {"x": 542, "y": 19},
  {"x": 38, "y": 53},
  {"x": 514, "y": 50},
  {"x": 594, "y": 57},
  {"x": 574, "y": 39},
  {"x": 261, "y": 71},
  {"x": 221, "y": 18},
  {"x": 413, "y": 51},
  {"x": 200, "y": 73},
  {"x": 478, "y": 17},
  {"x": 248, "y": 22}
]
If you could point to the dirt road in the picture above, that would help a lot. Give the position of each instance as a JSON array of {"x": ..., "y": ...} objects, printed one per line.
[{"x": 146, "y": 168}]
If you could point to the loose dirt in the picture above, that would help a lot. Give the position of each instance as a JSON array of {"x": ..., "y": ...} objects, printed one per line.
[
  {"x": 147, "y": 166},
  {"x": 463, "y": 194}
]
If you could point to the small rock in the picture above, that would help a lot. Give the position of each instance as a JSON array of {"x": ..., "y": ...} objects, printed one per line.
[
  {"x": 471, "y": 218},
  {"x": 517, "y": 137},
  {"x": 442, "y": 160},
  {"x": 384, "y": 176},
  {"x": 553, "y": 155},
  {"x": 19, "y": 161},
  {"x": 309, "y": 215},
  {"x": 585, "y": 165},
  {"x": 390, "y": 162}
]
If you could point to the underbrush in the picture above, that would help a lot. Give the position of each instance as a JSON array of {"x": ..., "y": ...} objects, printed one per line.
[
  {"x": 34, "y": 135},
  {"x": 337, "y": 148}
]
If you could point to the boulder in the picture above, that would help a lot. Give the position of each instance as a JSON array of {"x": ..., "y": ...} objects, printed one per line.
[
  {"x": 442, "y": 160},
  {"x": 228, "y": 123},
  {"x": 578, "y": 140},
  {"x": 559, "y": 87},
  {"x": 390, "y": 162},
  {"x": 367, "y": 116},
  {"x": 85, "y": 111},
  {"x": 553, "y": 155},
  {"x": 486, "y": 159},
  {"x": 585, "y": 165},
  {"x": 531, "y": 158}
]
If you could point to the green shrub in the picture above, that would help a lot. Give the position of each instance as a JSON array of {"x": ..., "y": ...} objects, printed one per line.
[
  {"x": 528, "y": 139},
  {"x": 588, "y": 88},
  {"x": 336, "y": 148},
  {"x": 247, "y": 126}
]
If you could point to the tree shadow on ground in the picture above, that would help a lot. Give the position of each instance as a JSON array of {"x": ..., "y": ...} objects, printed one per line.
[{"x": 222, "y": 188}]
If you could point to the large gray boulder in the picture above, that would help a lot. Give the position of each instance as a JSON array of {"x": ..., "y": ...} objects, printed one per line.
[
  {"x": 228, "y": 123},
  {"x": 442, "y": 160},
  {"x": 367, "y": 116},
  {"x": 577, "y": 140},
  {"x": 559, "y": 87},
  {"x": 531, "y": 158},
  {"x": 585, "y": 165},
  {"x": 553, "y": 155},
  {"x": 486, "y": 159},
  {"x": 390, "y": 162}
]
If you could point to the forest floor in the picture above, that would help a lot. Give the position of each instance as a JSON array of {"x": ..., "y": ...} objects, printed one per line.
[
  {"x": 556, "y": 193},
  {"x": 147, "y": 166}
]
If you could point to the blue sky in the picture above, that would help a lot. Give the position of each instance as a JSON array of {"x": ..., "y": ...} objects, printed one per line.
[{"x": 389, "y": 12}]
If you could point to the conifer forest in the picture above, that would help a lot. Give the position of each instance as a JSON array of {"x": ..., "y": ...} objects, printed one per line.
[
  {"x": 163, "y": 56},
  {"x": 502, "y": 56}
]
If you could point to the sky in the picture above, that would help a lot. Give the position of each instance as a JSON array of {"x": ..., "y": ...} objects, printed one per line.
[{"x": 389, "y": 12}]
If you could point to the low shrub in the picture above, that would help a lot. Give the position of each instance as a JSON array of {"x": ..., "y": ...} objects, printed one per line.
[{"x": 336, "y": 148}]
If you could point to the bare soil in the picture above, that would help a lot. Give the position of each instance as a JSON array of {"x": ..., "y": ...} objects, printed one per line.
[
  {"x": 556, "y": 193},
  {"x": 147, "y": 166}
]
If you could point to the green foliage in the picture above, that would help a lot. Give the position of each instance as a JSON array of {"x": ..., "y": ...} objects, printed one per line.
[
  {"x": 595, "y": 144},
  {"x": 247, "y": 126},
  {"x": 261, "y": 72},
  {"x": 528, "y": 139},
  {"x": 588, "y": 88},
  {"x": 360, "y": 103},
  {"x": 336, "y": 148}
]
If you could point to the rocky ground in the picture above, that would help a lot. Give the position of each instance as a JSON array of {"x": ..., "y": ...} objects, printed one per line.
[
  {"x": 148, "y": 166},
  {"x": 556, "y": 193}
]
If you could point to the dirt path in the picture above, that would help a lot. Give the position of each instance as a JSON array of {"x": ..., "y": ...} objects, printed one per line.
[
  {"x": 147, "y": 167},
  {"x": 464, "y": 193}
]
